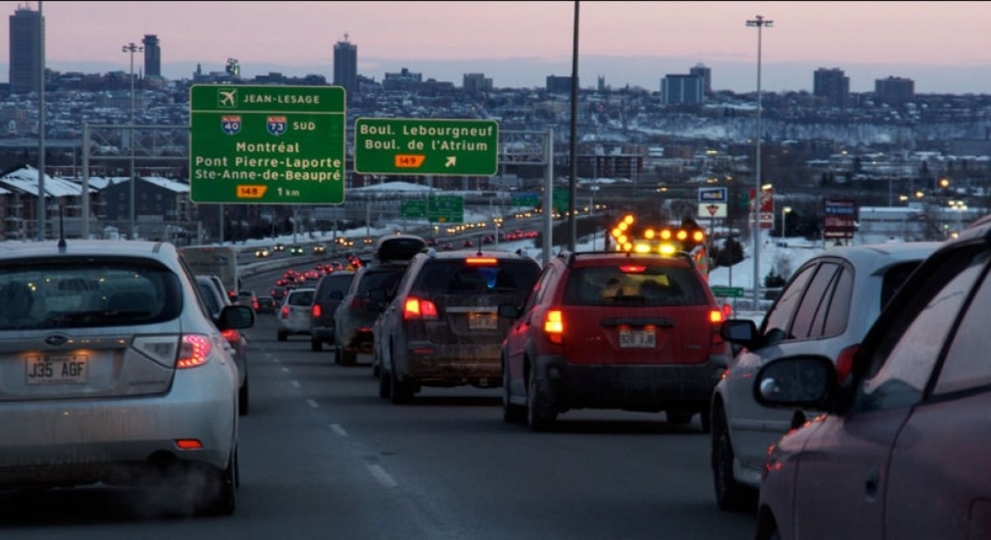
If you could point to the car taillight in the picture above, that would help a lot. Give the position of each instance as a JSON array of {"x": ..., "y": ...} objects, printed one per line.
[
  {"x": 844, "y": 363},
  {"x": 254, "y": 304},
  {"x": 316, "y": 310},
  {"x": 414, "y": 308},
  {"x": 357, "y": 302},
  {"x": 554, "y": 326},
  {"x": 231, "y": 335},
  {"x": 194, "y": 351},
  {"x": 285, "y": 312},
  {"x": 716, "y": 318}
]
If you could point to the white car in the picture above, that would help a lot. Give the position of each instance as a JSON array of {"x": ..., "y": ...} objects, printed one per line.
[
  {"x": 826, "y": 306},
  {"x": 97, "y": 331},
  {"x": 294, "y": 315}
]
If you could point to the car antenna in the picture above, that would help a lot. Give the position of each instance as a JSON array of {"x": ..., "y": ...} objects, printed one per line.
[{"x": 61, "y": 232}]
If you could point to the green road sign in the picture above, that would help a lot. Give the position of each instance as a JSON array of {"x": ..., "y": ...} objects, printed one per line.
[
  {"x": 426, "y": 147},
  {"x": 413, "y": 209},
  {"x": 561, "y": 199},
  {"x": 266, "y": 144},
  {"x": 727, "y": 292},
  {"x": 526, "y": 200},
  {"x": 446, "y": 209}
]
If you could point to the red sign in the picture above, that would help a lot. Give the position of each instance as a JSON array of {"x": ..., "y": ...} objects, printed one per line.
[{"x": 766, "y": 207}]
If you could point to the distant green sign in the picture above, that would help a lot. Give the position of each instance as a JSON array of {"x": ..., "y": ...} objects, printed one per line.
[
  {"x": 411, "y": 146},
  {"x": 526, "y": 200},
  {"x": 727, "y": 292},
  {"x": 266, "y": 144},
  {"x": 446, "y": 209},
  {"x": 414, "y": 209},
  {"x": 561, "y": 199}
]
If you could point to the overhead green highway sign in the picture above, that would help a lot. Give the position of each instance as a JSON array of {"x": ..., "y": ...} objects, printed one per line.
[
  {"x": 446, "y": 209},
  {"x": 411, "y": 146},
  {"x": 266, "y": 144},
  {"x": 727, "y": 292},
  {"x": 414, "y": 209}
]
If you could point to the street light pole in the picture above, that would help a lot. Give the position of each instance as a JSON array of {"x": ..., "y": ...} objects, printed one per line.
[
  {"x": 784, "y": 220},
  {"x": 760, "y": 23},
  {"x": 132, "y": 48}
]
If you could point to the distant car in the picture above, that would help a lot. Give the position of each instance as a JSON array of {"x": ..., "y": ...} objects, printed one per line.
[
  {"x": 215, "y": 302},
  {"x": 294, "y": 315},
  {"x": 296, "y": 250},
  {"x": 442, "y": 327},
  {"x": 319, "y": 249},
  {"x": 899, "y": 449},
  {"x": 267, "y": 305},
  {"x": 826, "y": 306},
  {"x": 247, "y": 298},
  {"x": 330, "y": 291},
  {"x": 613, "y": 330},
  {"x": 111, "y": 367},
  {"x": 279, "y": 292},
  {"x": 279, "y": 247},
  {"x": 262, "y": 253}
]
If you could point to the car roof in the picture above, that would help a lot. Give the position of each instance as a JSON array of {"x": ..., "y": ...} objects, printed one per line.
[
  {"x": 879, "y": 255},
  {"x": 129, "y": 248},
  {"x": 431, "y": 253}
]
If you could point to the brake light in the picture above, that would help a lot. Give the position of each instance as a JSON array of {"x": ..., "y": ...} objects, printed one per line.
[
  {"x": 194, "y": 351},
  {"x": 414, "y": 308},
  {"x": 285, "y": 311},
  {"x": 632, "y": 268},
  {"x": 727, "y": 311},
  {"x": 357, "y": 302},
  {"x": 231, "y": 335},
  {"x": 554, "y": 326},
  {"x": 716, "y": 316},
  {"x": 188, "y": 444},
  {"x": 844, "y": 363},
  {"x": 480, "y": 260},
  {"x": 316, "y": 310},
  {"x": 254, "y": 304}
]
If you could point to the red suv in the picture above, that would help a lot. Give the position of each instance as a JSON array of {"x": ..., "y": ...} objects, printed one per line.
[{"x": 635, "y": 332}]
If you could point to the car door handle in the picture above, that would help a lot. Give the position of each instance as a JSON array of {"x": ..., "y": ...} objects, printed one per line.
[{"x": 871, "y": 483}]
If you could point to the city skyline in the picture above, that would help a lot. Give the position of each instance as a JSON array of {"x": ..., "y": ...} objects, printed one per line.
[{"x": 942, "y": 46}]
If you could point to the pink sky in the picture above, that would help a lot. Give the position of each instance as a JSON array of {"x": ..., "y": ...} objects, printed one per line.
[{"x": 828, "y": 34}]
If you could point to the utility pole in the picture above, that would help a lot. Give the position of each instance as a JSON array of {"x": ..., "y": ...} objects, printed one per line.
[
  {"x": 760, "y": 23},
  {"x": 132, "y": 48}
]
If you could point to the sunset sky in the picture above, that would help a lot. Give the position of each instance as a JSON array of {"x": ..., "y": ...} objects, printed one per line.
[{"x": 944, "y": 46}]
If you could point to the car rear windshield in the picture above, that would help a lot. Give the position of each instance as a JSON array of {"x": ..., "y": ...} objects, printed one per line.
[
  {"x": 380, "y": 277},
  {"x": 334, "y": 282},
  {"x": 300, "y": 298},
  {"x": 635, "y": 285},
  {"x": 86, "y": 293},
  {"x": 462, "y": 276}
]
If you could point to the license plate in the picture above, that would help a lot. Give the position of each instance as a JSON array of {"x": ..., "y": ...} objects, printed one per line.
[
  {"x": 56, "y": 369},
  {"x": 483, "y": 320},
  {"x": 636, "y": 339}
]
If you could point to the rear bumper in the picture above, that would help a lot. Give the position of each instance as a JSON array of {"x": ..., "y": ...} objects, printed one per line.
[
  {"x": 431, "y": 364},
  {"x": 322, "y": 333},
  {"x": 646, "y": 388}
]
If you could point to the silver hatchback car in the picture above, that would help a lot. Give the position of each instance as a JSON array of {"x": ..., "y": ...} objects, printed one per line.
[{"x": 110, "y": 372}]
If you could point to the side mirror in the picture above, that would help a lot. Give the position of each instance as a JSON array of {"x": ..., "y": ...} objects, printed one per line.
[
  {"x": 740, "y": 332},
  {"x": 796, "y": 381},
  {"x": 236, "y": 317}
]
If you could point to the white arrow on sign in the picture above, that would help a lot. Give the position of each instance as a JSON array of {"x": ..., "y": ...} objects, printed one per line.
[{"x": 451, "y": 161}]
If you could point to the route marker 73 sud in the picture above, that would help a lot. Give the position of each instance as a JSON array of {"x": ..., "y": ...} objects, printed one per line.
[{"x": 412, "y": 146}]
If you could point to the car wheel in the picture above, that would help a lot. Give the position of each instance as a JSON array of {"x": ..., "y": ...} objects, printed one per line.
[
  {"x": 282, "y": 336},
  {"x": 316, "y": 345},
  {"x": 385, "y": 384},
  {"x": 399, "y": 392},
  {"x": 731, "y": 496},
  {"x": 511, "y": 413},
  {"x": 537, "y": 417},
  {"x": 242, "y": 398},
  {"x": 221, "y": 491}
]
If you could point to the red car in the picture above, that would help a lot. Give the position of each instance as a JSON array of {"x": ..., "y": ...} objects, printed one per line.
[{"x": 635, "y": 332}]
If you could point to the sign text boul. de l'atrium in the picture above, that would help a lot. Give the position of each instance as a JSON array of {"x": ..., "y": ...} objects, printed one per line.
[{"x": 267, "y": 144}]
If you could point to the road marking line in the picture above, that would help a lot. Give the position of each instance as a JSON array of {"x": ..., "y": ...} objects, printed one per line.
[
  {"x": 383, "y": 477},
  {"x": 285, "y": 370},
  {"x": 336, "y": 428},
  {"x": 296, "y": 384},
  {"x": 312, "y": 403}
]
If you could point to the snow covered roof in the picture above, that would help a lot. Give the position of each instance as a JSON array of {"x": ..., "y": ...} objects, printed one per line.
[
  {"x": 26, "y": 179},
  {"x": 167, "y": 183},
  {"x": 394, "y": 186}
]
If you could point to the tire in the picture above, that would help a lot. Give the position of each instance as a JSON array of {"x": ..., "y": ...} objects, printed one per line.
[
  {"x": 536, "y": 417},
  {"x": 220, "y": 495},
  {"x": 282, "y": 336},
  {"x": 399, "y": 393},
  {"x": 316, "y": 345},
  {"x": 385, "y": 384},
  {"x": 511, "y": 413},
  {"x": 731, "y": 496},
  {"x": 242, "y": 399}
]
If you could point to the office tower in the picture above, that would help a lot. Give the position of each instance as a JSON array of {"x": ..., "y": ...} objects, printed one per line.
[
  {"x": 153, "y": 56},
  {"x": 476, "y": 82},
  {"x": 832, "y": 85},
  {"x": 894, "y": 90},
  {"x": 682, "y": 90},
  {"x": 706, "y": 74},
  {"x": 346, "y": 66},
  {"x": 26, "y": 49}
]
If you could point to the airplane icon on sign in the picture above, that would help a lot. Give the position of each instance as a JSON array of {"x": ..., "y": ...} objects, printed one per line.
[{"x": 228, "y": 98}]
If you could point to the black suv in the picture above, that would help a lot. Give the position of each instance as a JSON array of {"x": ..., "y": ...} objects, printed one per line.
[
  {"x": 371, "y": 288},
  {"x": 442, "y": 328},
  {"x": 330, "y": 290}
]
